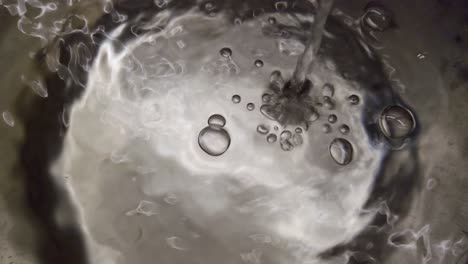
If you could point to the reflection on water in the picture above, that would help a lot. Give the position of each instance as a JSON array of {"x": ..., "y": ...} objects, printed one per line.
[{"x": 173, "y": 131}]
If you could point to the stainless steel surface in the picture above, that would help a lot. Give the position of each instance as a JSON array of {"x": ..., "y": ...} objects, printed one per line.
[{"x": 102, "y": 164}]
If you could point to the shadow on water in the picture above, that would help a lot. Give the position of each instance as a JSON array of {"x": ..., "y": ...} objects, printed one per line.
[{"x": 44, "y": 134}]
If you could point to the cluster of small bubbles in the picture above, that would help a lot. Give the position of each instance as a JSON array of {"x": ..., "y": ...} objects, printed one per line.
[
  {"x": 328, "y": 103},
  {"x": 266, "y": 98},
  {"x": 272, "y": 20},
  {"x": 250, "y": 106},
  {"x": 226, "y": 52},
  {"x": 236, "y": 99},
  {"x": 344, "y": 129},
  {"x": 8, "y": 118},
  {"x": 326, "y": 128},
  {"x": 341, "y": 151},
  {"x": 397, "y": 122},
  {"x": 377, "y": 17},
  {"x": 332, "y": 118},
  {"x": 271, "y": 138},
  {"x": 258, "y": 63},
  {"x": 285, "y": 141},
  {"x": 214, "y": 139},
  {"x": 328, "y": 90},
  {"x": 263, "y": 129},
  {"x": 353, "y": 99}
]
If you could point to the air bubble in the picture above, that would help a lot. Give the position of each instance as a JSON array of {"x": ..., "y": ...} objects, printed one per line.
[
  {"x": 298, "y": 130},
  {"x": 226, "y": 52},
  {"x": 266, "y": 98},
  {"x": 271, "y": 138},
  {"x": 397, "y": 122},
  {"x": 297, "y": 139},
  {"x": 270, "y": 112},
  {"x": 250, "y": 106},
  {"x": 328, "y": 90},
  {"x": 276, "y": 79},
  {"x": 328, "y": 103},
  {"x": 353, "y": 99},
  {"x": 344, "y": 129},
  {"x": 286, "y": 134},
  {"x": 214, "y": 140},
  {"x": 236, "y": 99},
  {"x": 217, "y": 121},
  {"x": 314, "y": 116},
  {"x": 341, "y": 151},
  {"x": 258, "y": 63},
  {"x": 8, "y": 118},
  {"x": 209, "y": 6},
  {"x": 326, "y": 128},
  {"x": 262, "y": 129},
  {"x": 272, "y": 20},
  {"x": 377, "y": 18},
  {"x": 286, "y": 145},
  {"x": 332, "y": 118},
  {"x": 281, "y": 5}
]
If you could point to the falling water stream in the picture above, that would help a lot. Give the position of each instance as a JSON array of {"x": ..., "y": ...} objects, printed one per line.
[{"x": 306, "y": 60}]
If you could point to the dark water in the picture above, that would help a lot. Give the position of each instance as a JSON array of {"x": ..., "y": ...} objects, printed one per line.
[{"x": 199, "y": 132}]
